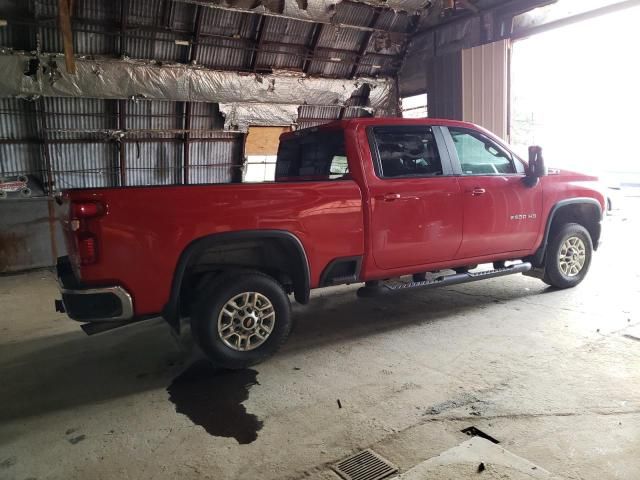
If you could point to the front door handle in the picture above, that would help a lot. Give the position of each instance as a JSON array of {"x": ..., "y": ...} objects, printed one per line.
[
  {"x": 476, "y": 192},
  {"x": 390, "y": 197}
]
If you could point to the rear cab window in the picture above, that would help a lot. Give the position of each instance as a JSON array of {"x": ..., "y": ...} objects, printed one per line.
[{"x": 313, "y": 156}]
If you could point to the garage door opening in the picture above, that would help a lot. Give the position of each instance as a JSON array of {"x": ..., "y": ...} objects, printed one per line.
[{"x": 574, "y": 91}]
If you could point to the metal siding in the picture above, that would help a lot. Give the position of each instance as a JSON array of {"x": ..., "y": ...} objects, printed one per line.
[
  {"x": 18, "y": 159},
  {"x": 353, "y": 14},
  {"x": 154, "y": 115},
  {"x": 155, "y": 45},
  {"x": 154, "y": 163},
  {"x": 484, "y": 86},
  {"x": 83, "y": 165},
  {"x": 144, "y": 12},
  {"x": 338, "y": 43},
  {"x": 17, "y": 119},
  {"x": 394, "y": 21},
  {"x": 50, "y": 40},
  {"x": 295, "y": 34},
  {"x": 96, "y": 9},
  {"x": 214, "y": 162},
  {"x": 45, "y": 8},
  {"x": 228, "y": 23},
  {"x": 18, "y": 37},
  {"x": 206, "y": 116},
  {"x": 183, "y": 16},
  {"x": 96, "y": 42},
  {"x": 318, "y": 112},
  {"x": 78, "y": 113},
  {"x": 228, "y": 54}
]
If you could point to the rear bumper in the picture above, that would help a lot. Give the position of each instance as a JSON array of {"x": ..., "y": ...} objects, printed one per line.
[{"x": 91, "y": 304}]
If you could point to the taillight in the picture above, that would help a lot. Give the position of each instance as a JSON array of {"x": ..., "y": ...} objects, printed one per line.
[
  {"x": 88, "y": 210},
  {"x": 82, "y": 215}
]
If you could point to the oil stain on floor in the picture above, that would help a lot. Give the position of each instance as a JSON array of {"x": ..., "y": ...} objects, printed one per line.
[{"x": 212, "y": 398}]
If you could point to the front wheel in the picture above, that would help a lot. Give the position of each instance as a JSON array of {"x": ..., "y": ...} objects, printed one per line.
[
  {"x": 241, "y": 319},
  {"x": 568, "y": 256}
]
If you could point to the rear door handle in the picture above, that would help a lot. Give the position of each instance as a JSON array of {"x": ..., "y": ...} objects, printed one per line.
[{"x": 476, "y": 192}]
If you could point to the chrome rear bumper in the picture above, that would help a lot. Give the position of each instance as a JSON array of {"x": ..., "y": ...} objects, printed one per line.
[{"x": 91, "y": 304}]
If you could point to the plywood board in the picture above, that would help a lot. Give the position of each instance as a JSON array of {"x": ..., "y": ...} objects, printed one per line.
[{"x": 264, "y": 140}]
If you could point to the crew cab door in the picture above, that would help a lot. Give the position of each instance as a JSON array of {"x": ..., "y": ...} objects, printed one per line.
[
  {"x": 501, "y": 214},
  {"x": 415, "y": 207}
]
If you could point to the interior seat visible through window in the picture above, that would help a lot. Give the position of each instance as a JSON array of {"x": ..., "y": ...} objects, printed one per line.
[
  {"x": 480, "y": 156},
  {"x": 407, "y": 151},
  {"x": 312, "y": 156}
]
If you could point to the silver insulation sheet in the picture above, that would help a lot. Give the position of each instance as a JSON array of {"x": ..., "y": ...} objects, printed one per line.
[
  {"x": 308, "y": 10},
  {"x": 238, "y": 116},
  {"x": 25, "y": 75},
  {"x": 321, "y": 11}
]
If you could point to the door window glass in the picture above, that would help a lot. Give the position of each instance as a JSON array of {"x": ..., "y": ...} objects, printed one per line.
[
  {"x": 313, "y": 156},
  {"x": 480, "y": 156},
  {"x": 407, "y": 151}
]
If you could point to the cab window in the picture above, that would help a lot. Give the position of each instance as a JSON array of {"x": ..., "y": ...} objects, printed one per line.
[
  {"x": 406, "y": 152},
  {"x": 312, "y": 156},
  {"x": 479, "y": 155}
]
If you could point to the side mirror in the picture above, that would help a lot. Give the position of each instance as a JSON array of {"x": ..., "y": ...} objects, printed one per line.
[{"x": 537, "y": 168}]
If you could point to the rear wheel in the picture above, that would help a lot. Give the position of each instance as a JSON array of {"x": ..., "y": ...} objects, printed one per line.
[
  {"x": 568, "y": 256},
  {"x": 241, "y": 319}
]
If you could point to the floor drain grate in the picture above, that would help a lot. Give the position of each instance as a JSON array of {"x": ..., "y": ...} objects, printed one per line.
[{"x": 365, "y": 465}]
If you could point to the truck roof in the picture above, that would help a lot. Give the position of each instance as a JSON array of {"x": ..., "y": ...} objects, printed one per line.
[{"x": 352, "y": 123}]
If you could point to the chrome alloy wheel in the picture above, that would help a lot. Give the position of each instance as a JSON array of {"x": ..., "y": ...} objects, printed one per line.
[
  {"x": 246, "y": 321},
  {"x": 572, "y": 256}
]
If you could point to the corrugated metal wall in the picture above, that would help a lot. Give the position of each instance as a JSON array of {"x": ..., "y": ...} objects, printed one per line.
[
  {"x": 470, "y": 85},
  {"x": 82, "y": 142},
  {"x": 485, "y": 76},
  {"x": 76, "y": 142}
]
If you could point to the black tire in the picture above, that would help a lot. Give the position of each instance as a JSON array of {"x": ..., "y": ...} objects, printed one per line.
[
  {"x": 464, "y": 269},
  {"x": 207, "y": 309},
  {"x": 553, "y": 274}
]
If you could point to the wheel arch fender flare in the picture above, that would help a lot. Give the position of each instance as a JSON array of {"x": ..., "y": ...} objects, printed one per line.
[
  {"x": 538, "y": 257},
  {"x": 301, "y": 275}
]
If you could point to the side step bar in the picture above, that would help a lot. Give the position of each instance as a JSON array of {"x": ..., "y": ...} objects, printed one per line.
[{"x": 444, "y": 280}]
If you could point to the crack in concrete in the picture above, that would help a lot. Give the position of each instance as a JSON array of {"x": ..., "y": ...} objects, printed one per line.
[{"x": 516, "y": 416}]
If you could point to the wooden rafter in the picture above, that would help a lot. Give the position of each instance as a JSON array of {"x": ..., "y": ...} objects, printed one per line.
[{"x": 65, "y": 8}]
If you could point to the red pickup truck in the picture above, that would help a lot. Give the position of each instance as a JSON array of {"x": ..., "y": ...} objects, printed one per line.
[{"x": 359, "y": 200}]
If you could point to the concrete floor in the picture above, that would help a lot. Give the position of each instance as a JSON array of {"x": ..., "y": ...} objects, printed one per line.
[{"x": 553, "y": 375}]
